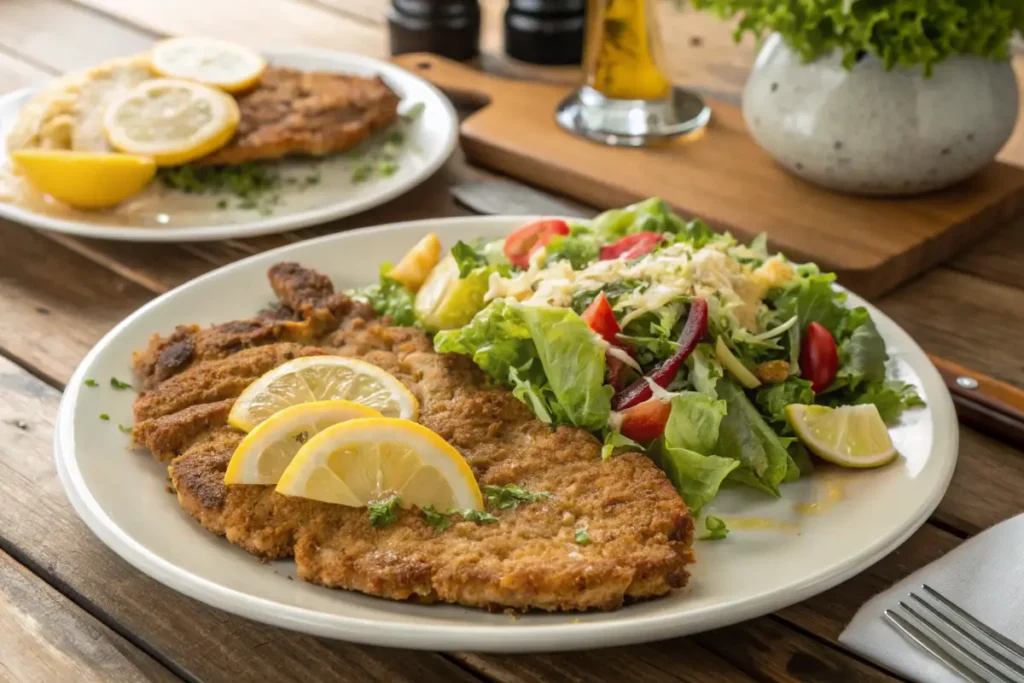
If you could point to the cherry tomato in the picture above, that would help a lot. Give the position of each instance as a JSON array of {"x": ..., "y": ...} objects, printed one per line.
[
  {"x": 632, "y": 246},
  {"x": 646, "y": 421},
  {"x": 601, "y": 319},
  {"x": 526, "y": 239},
  {"x": 819, "y": 358}
]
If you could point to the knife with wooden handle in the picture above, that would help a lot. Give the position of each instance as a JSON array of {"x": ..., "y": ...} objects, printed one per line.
[{"x": 982, "y": 402}]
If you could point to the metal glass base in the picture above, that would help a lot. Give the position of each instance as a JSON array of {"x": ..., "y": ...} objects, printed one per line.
[{"x": 632, "y": 123}]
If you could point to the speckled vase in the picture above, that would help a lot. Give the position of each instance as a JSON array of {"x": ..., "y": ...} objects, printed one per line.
[{"x": 870, "y": 131}]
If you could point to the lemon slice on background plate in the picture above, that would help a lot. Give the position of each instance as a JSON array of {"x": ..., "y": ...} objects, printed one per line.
[
  {"x": 85, "y": 180},
  {"x": 174, "y": 121},
  {"x": 415, "y": 266},
  {"x": 446, "y": 301},
  {"x": 322, "y": 378},
  {"x": 266, "y": 451},
  {"x": 216, "y": 63},
  {"x": 361, "y": 461},
  {"x": 851, "y": 436}
]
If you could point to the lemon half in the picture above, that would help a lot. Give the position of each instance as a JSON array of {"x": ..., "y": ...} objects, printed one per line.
[
  {"x": 322, "y": 378},
  {"x": 361, "y": 461},
  {"x": 445, "y": 301},
  {"x": 174, "y": 121},
  {"x": 216, "y": 63},
  {"x": 266, "y": 451},
  {"x": 85, "y": 180},
  {"x": 851, "y": 436}
]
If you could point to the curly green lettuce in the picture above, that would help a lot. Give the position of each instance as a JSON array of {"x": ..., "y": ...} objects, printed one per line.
[{"x": 900, "y": 32}]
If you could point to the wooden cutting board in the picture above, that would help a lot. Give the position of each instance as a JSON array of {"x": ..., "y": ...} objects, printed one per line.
[{"x": 723, "y": 177}]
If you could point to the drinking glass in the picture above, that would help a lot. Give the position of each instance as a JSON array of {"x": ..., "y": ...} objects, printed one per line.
[{"x": 627, "y": 98}]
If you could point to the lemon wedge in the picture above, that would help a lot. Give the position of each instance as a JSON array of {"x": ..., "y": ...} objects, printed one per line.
[
  {"x": 445, "y": 301},
  {"x": 417, "y": 263},
  {"x": 216, "y": 63},
  {"x": 85, "y": 180},
  {"x": 171, "y": 120},
  {"x": 361, "y": 461},
  {"x": 322, "y": 378},
  {"x": 851, "y": 436},
  {"x": 266, "y": 451}
]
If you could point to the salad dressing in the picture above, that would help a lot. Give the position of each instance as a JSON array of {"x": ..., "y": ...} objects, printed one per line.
[
  {"x": 762, "y": 524},
  {"x": 835, "y": 493}
]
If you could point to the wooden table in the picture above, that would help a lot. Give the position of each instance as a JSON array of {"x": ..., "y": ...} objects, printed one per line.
[{"x": 71, "y": 610}]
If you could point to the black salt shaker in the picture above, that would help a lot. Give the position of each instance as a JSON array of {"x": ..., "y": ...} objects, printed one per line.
[
  {"x": 450, "y": 28},
  {"x": 545, "y": 31}
]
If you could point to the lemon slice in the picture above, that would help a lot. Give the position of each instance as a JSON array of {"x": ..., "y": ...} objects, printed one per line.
[
  {"x": 445, "y": 302},
  {"x": 417, "y": 263},
  {"x": 851, "y": 436},
  {"x": 173, "y": 121},
  {"x": 216, "y": 63},
  {"x": 361, "y": 461},
  {"x": 322, "y": 378},
  {"x": 85, "y": 180},
  {"x": 266, "y": 451}
]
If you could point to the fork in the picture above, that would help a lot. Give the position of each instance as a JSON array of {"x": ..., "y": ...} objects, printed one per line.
[{"x": 962, "y": 643}]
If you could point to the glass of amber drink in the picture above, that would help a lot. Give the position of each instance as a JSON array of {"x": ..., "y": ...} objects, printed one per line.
[{"x": 627, "y": 97}]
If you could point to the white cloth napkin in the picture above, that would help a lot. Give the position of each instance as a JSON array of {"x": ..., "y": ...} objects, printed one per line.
[{"x": 984, "y": 576}]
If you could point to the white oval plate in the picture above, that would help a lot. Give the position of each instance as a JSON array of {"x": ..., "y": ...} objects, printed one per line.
[
  {"x": 121, "y": 494},
  {"x": 431, "y": 140}
]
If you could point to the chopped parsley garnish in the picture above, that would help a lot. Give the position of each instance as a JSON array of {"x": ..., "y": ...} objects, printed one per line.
[
  {"x": 413, "y": 112},
  {"x": 441, "y": 521},
  {"x": 716, "y": 529},
  {"x": 382, "y": 512},
  {"x": 222, "y": 204},
  {"x": 118, "y": 384},
  {"x": 478, "y": 516},
  {"x": 509, "y": 496},
  {"x": 582, "y": 537},
  {"x": 126, "y": 430},
  {"x": 104, "y": 416},
  {"x": 438, "y": 520},
  {"x": 301, "y": 437},
  {"x": 387, "y": 168},
  {"x": 91, "y": 383},
  {"x": 362, "y": 172}
]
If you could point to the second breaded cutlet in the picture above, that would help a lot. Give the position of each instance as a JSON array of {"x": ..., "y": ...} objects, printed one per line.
[
  {"x": 640, "y": 530},
  {"x": 311, "y": 113}
]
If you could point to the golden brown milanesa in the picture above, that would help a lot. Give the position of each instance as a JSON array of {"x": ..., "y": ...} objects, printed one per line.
[
  {"x": 640, "y": 529},
  {"x": 306, "y": 112}
]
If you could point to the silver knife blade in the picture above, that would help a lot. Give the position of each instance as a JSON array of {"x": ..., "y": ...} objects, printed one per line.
[{"x": 500, "y": 197}]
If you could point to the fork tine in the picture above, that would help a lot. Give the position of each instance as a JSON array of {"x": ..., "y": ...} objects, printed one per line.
[
  {"x": 974, "y": 623},
  {"x": 930, "y": 646},
  {"x": 996, "y": 674},
  {"x": 977, "y": 642}
]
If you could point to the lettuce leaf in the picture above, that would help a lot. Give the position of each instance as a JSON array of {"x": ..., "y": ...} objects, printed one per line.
[
  {"x": 549, "y": 357},
  {"x": 389, "y": 297},
  {"x": 714, "y": 529},
  {"x": 651, "y": 215},
  {"x": 579, "y": 250},
  {"x": 480, "y": 254},
  {"x": 745, "y": 436},
  {"x": 772, "y": 399},
  {"x": 686, "y": 453}
]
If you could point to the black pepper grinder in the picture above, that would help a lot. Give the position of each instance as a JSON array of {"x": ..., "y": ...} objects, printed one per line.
[
  {"x": 450, "y": 28},
  {"x": 545, "y": 31}
]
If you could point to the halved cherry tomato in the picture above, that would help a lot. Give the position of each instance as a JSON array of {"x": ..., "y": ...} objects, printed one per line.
[
  {"x": 819, "y": 358},
  {"x": 526, "y": 239},
  {"x": 632, "y": 246},
  {"x": 601, "y": 319},
  {"x": 646, "y": 421}
]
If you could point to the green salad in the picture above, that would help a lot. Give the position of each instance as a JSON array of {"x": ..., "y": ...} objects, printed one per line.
[{"x": 657, "y": 335}]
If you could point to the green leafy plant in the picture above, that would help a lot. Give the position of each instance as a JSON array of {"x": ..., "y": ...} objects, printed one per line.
[{"x": 900, "y": 32}]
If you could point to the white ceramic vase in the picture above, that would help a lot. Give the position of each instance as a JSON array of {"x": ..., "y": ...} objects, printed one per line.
[{"x": 870, "y": 131}]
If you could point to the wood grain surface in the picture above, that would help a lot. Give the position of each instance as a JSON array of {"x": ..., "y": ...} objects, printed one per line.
[
  {"x": 724, "y": 177},
  {"x": 72, "y": 610}
]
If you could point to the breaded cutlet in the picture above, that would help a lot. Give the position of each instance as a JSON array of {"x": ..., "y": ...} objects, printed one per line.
[
  {"x": 640, "y": 529},
  {"x": 306, "y": 112}
]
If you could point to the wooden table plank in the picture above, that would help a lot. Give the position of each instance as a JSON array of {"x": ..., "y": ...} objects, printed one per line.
[
  {"x": 42, "y": 531},
  {"x": 64, "y": 36},
  {"x": 45, "y": 638}
]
